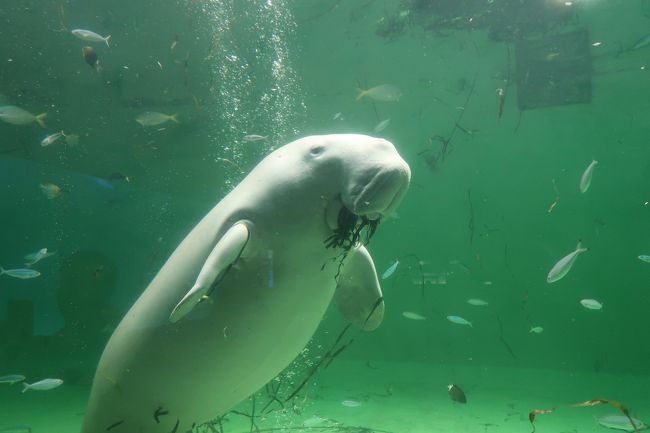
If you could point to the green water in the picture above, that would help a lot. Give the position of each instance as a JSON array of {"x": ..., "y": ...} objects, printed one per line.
[{"x": 494, "y": 200}]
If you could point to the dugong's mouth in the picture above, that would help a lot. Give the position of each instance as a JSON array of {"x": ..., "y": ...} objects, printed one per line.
[{"x": 350, "y": 230}]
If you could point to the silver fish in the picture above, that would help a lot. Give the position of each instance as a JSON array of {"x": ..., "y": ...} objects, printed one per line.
[
  {"x": 381, "y": 126},
  {"x": 16, "y": 429},
  {"x": 413, "y": 316},
  {"x": 536, "y": 330},
  {"x": 391, "y": 269},
  {"x": 51, "y": 138},
  {"x": 43, "y": 385},
  {"x": 12, "y": 378},
  {"x": 254, "y": 137},
  {"x": 89, "y": 36},
  {"x": 563, "y": 266},
  {"x": 591, "y": 304},
  {"x": 477, "y": 302},
  {"x": 383, "y": 92},
  {"x": 459, "y": 321},
  {"x": 18, "y": 116},
  {"x": 36, "y": 257},
  {"x": 644, "y": 258},
  {"x": 23, "y": 274},
  {"x": 621, "y": 422},
  {"x": 152, "y": 118},
  {"x": 585, "y": 179}
]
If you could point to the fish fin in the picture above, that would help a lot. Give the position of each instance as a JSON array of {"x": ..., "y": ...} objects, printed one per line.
[
  {"x": 25, "y": 387},
  {"x": 358, "y": 293},
  {"x": 361, "y": 93},
  {"x": 2, "y": 271},
  {"x": 174, "y": 118},
  {"x": 40, "y": 118},
  {"x": 107, "y": 39},
  {"x": 225, "y": 252}
]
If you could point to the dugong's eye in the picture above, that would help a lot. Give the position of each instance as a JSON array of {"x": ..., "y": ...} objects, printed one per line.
[{"x": 315, "y": 151}]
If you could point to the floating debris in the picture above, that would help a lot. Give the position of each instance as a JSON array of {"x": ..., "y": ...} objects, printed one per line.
[{"x": 456, "y": 394}]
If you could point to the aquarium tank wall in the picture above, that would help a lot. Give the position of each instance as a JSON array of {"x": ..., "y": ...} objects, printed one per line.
[{"x": 324, "y": 216}]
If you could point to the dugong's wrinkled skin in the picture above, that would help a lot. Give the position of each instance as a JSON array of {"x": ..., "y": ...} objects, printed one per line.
[{"x": 162, "y": 372}]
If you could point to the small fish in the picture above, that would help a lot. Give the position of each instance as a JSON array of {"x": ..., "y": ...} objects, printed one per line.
[
  {"x": 642, "y": 42},
  {"x": 621, "y": 422},
  {"x": 12, "y": 378},
  {"x": 591, "y": 304},
  {"x": 456, "y": 394},
  {"x": 381, "y": 126},
  {"x": 18, "y": 116},
  {"x": 43, "y": 385},
  {"x": 51, "y": 139},
  {"x": 477, "y": 302},
  {"x": 536, "y": 330},
  {"x": 89, "y": 36},
  {"x": 351, "y": 403},
  {"x": 37, "y": 256},
  {"x": 459, "y": 321},
  {"x": 383, "y": 92},
  {"x": 338, "y": 116},
  {"x": 119, "y": 176},
  {"x": 413, "y": 316},
  {"x": 71, "y": 139},
  {"x": 563, "y": 266},
  {"x": 644, "y": 258},
  {"x": 16, "y": 429},
  {"x": 585, "y": 179},
  {"x": 101, "y": 182},
  {"x": 151, "y": 118},
  {"x": 90, "y": 56},
  {"x": 23, "y": 274},
  {"x": 391, "y": 269},
  {"x": 51, "y": 190},
  {"x": 254, "y": 137}
]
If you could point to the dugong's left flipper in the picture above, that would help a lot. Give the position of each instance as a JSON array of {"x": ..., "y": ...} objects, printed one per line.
[
  {"x": 227, "y": 250},
  {"x": 358, "y": 294}
]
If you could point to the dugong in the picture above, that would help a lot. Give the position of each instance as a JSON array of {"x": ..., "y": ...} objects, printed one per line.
[{"x": 244, "y": 292}]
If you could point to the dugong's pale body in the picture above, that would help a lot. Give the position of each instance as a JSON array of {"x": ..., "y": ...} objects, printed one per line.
[{"x": 260, "y": 261}]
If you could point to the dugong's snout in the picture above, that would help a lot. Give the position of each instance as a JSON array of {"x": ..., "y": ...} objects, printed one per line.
[{"x": 379, "y": 197}]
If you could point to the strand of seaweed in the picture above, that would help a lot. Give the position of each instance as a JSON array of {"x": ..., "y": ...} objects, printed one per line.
[
  {"x": 503, "y": 340},
  {"x": 445, "y": 149}
]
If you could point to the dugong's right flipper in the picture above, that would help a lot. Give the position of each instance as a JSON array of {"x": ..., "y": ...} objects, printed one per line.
[
  {"x": 358, "y": 294},
  {"x": 227, "y": 250}
]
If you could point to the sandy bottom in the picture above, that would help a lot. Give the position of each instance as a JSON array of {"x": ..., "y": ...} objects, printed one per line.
[{"x": 397, "y": 398}]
